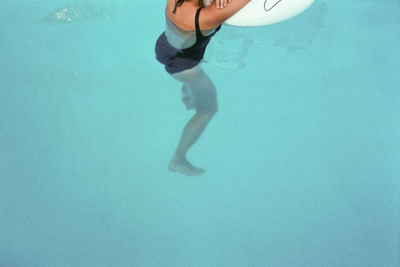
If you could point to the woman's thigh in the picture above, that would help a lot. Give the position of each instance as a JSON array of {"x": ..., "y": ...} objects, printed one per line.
[{"x": 201, "y": 88}]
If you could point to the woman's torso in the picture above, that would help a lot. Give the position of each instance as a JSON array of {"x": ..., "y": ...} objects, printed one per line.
[{"x": 180, "y": 26}]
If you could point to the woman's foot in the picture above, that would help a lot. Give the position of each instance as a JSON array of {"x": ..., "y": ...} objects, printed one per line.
[{"x": 183, "y": 166}]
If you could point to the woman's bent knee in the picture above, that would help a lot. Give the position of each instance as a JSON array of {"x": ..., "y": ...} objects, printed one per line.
[
  {"x": 214, "y": 109},
  {"x": 209, "y": 111}
]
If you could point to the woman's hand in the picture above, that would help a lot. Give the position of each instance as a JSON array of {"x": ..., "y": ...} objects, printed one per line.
[
  {"x": 218, "y": 3},
  {"x": 222, "y": 3}
]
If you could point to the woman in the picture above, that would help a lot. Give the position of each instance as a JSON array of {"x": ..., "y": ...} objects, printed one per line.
[{"x": 181, "y": 48}]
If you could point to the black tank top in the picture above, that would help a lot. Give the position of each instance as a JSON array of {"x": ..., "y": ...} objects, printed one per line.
[{"x": 196, "y": 51}]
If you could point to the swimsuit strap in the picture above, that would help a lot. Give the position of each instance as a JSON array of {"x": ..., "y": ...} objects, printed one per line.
[
  {"x": 196, "y": 22},
  {"x": 199, "y": 35}
]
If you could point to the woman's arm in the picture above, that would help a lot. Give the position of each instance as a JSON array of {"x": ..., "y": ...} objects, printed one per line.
[{"x": 211, "y": 16}]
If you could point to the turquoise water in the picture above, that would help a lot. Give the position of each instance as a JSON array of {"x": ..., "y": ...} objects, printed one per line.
[{"x": 302, "y": 158}]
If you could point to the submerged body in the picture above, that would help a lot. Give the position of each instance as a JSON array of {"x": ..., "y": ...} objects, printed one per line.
[{"x": 189, "y": 28}]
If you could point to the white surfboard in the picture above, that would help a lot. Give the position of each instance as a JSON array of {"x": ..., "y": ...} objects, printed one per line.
[{"x": 264, "y": 12}]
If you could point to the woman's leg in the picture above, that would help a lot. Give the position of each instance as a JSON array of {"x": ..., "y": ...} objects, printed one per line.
[
  {"x": 187, "y": 97},
  {"x": 201, "y": 94}
]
